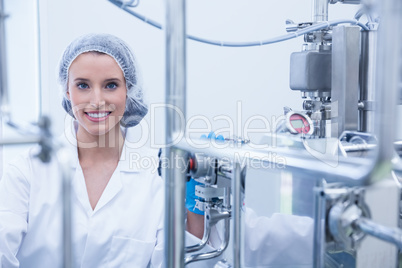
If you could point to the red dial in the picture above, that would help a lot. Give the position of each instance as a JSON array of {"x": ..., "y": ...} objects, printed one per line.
[{"x": 299, "y": 123}]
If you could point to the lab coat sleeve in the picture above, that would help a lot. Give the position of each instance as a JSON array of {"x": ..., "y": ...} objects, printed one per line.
[{"x": 14, "y": 202}]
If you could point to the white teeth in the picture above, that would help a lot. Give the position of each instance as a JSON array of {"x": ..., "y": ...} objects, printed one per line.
[{"x": 97, "y": 115}]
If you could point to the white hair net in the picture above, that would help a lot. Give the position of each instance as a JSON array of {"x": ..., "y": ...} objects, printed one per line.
[{"x": 136, "y": 109}]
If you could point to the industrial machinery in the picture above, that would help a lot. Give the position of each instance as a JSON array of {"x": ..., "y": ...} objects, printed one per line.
[
  {"x": 338, "y": 153},
  {"x": 340, "y": 146}
]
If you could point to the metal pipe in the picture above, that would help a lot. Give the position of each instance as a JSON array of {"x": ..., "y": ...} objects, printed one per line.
[
  {"x": 320, "y": 10},
  {"x": 38, "y": 57},
  {"x": 319, "y": 225},
  {"x": 351, "y": 170},
  {"x": 175, "y": 176},
  {"x": 63, "y": 160},
  {"x": 205, "y": 236},
  {"x": 175, "y": 209},
  {"x": 20, "y": 141},
  {"x": 353, "y": 2},
  {"x": 215, "y": 253},
  {"x": 236, "y": 210},
  {"x": 4, "y": 105},
  {"x": 392, "y": 235},
  {"x": 358, "y": 147},
  {"x": 387, "y": 80},
  {"x": 367, "y": 80}
]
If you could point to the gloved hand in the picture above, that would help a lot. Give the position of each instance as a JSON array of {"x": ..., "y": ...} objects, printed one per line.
[{"x": 191, "y": 198}]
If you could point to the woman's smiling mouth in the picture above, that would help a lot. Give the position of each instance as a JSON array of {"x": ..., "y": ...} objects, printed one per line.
[{"x": 97, "y": 116}]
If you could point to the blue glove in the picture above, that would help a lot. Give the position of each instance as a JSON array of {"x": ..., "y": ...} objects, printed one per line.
[{"x": 191, "y": 197}]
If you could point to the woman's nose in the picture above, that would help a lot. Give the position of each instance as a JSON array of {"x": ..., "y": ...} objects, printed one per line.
[{"x": 97, "y": 99}]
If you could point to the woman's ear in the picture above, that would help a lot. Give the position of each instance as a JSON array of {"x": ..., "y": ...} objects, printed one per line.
[{"x": 68, "y": 94}]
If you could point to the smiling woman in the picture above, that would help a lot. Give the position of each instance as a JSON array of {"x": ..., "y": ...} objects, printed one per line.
[
  {"x": 117, "y": 207},
  {"x": 97, "y": 91}
]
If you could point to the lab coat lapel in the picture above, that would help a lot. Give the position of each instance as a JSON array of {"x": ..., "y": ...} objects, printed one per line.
[
  {"x": 112, "y": 189},
  {"x": 78, "y": 181},
  {"x": 80, "y": 190}
]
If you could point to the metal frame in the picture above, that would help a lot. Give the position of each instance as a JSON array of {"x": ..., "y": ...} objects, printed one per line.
[
  {"x": 38, "y": 134},
  {"x": 175, "y": 176},
  {"x": 365, "y": 173},
  {"x": 345, "y": 79}
]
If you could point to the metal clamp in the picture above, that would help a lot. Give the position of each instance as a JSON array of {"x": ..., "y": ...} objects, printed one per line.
[
  {"x": 342, "y": 216},
  {"x": 349, "y": 223},
  {"x": 291, "y": 26}
]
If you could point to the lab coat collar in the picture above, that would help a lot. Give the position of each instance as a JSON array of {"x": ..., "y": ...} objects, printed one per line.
[
  {"x": 114, "y": 185},
  {"x": 127, "y": 157}
]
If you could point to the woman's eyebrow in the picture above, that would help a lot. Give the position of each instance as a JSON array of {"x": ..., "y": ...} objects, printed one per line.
[
  {"x": 112, "y": 80},
  {"x": 81, "y": 79}
]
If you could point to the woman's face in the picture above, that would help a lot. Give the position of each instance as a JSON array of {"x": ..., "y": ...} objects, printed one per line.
[{"x": 97, "y": 91}]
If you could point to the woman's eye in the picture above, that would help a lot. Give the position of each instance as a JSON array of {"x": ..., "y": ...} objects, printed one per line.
[
  {"x": 82, "y": 85},
  {"x": 111, "y": 85}
]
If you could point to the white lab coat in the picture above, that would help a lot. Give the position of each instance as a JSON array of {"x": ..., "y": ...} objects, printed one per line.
[{"x": 124, "y": 230}]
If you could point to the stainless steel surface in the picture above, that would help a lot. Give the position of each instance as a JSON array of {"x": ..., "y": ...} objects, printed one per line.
[
  {"x": 345, "y": 79},
  {"x": 175, "y": 176},
  {"x": 367, "y": 80},
  {"x": 320, "y": 10},
  {"x": 63, "y": 160},
  {"x": 392, "y": 235},
  {"x": 4, "y": 105},
  {"x": 310, "y": 71},
  {"x": 236, "y": 210}
]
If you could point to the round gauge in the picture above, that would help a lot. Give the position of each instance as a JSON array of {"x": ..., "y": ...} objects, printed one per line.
[{"x": 299, "y": 123}]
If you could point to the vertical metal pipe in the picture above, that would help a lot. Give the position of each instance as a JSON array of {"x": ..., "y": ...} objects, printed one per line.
[
  {"x": 320, "y": 10},
  {"x": 319, "y": 226},
  {"x": 4, "y": 108},
  {"x": 38, "y": 58},
  {"x": 367, "y": 80},
  {"x": 388, "y": 76},
  {"x": 236, "y": 210},
  {"x": 176, "y": 97},
  {"x": 63, "y": 160}
]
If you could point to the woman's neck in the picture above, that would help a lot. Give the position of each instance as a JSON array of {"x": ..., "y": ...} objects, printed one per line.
[{"x": 94, "y": 148}]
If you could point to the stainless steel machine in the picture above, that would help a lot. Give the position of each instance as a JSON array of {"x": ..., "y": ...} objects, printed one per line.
[{"x": 341, "y": 146}]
